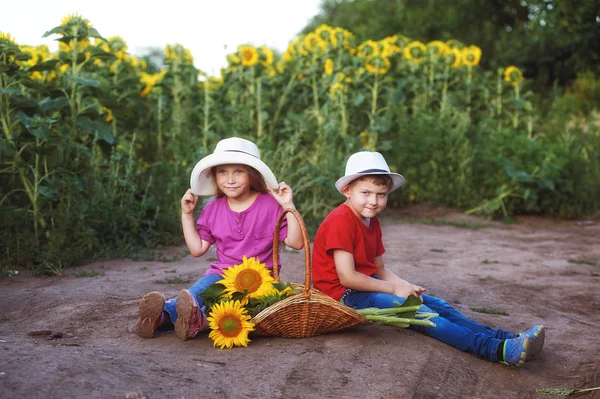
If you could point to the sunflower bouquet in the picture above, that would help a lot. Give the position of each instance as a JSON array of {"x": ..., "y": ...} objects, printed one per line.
[{"x": 245, "y": 290}]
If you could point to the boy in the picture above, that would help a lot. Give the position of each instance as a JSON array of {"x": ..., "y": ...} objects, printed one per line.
[{"x": 348, "y": 265}]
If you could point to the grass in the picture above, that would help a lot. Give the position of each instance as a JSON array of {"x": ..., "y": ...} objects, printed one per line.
[
  {"x": 144, "y": 268},
  {"x": 583, "y": 262},
  {"x": 4, "y": 319},
  {"x": 436, "y": 250},
  {"x": 88, "y": 273},
  {"x": 486, "y": 261},
  {"x": 595, "y": 274},
  {"x": 173, "y": 280},
  {"x": 211, "y": 259},
  {"x": 489, "y": 311},
  {"x": 171, "y": 271},
  {"x": 463, "y": 224}
]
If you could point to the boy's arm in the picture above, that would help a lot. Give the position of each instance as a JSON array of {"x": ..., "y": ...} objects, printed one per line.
[
  {"x": 388, "y": 275},
  {"x": 350, "y": 278}
]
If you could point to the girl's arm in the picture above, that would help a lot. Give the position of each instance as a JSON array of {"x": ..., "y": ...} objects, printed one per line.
[
  {"x": 196, "y": 245},
  {"x": 284, "y": 198},
  {"x": 350, "y": 278}
]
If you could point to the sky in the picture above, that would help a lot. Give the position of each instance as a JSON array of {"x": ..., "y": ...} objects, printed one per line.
[{"x": 210, "y": 29}]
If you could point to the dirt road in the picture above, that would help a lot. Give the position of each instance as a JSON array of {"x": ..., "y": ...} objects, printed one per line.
[{"x": 537, "y": 272}]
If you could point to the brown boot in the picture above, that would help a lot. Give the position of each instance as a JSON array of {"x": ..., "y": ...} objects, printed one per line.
[
  {"x": 149, "y": 314},
  {"x": 190, "y": 320}
]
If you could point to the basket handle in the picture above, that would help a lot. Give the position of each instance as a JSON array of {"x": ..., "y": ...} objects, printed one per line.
[{"x": 308, "y": 268}]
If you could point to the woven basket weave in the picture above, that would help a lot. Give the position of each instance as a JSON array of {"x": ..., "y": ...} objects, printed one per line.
[{"x": 308, "y": 313}]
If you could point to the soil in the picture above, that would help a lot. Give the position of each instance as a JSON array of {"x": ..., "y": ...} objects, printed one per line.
[{"x": 538, "y": 271}]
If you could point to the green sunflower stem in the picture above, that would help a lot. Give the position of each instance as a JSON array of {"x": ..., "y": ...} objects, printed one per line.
[
  {"x": 469, "y": 79},
  {"x": 377, "y": 311},
  {"x": 259, "y": 122},
  {"x": 516, "y": 114},
  {"x": 400, "y": 321}
]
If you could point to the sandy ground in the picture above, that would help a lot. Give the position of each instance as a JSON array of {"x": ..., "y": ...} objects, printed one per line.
[{"x": 522, "y": 270}]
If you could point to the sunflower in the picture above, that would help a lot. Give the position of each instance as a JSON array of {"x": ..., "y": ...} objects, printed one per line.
[
  {"x": 368, "y": 49},
  {"x": 248, "y": 54},
  {"x": 250, "y": 276},
  {"x": 513, "y": 75},
  {"x": 327, "y": 34},
  {"x": 150, "y": 80},
  {"x": 437, "y": 47},
  {"x": 266, "y": 56},
  {"x": 336, "y": 88},
  {"x": 454, "y": 58},
  {"x": 230, "y": 324},
  {"x": 471, "y": 56},
  {"x": 415, "y": 51},
  {"x": 7, "y": 37},
  {"x": 377, "y": 64},
  {"x": 328, "y": 67}
]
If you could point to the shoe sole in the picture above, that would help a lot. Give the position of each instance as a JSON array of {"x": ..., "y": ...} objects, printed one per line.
[
  {"x": 185, "y": 307},
  {"x": 538, "y": 341},
  {"x": 149, "y": 313}
]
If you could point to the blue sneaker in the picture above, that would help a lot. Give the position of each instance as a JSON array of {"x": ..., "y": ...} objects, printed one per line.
[
  {"x": 537, "y": 335},
  {"x": 516, "y": 350}
]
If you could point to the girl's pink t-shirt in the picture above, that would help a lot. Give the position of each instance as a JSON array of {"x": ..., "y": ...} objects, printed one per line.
[{"x": 236, "y": 234}]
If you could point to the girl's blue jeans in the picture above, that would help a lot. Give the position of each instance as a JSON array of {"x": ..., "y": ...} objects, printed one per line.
[
  {"x": 452, "y": 327},
  {"x": 197, "y": 288}
]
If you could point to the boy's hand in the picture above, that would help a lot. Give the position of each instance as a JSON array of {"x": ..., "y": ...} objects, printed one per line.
[
  {"x": 283, "y": 196},
  {"x": 188, "y": 202},
  {"x": 405, "y": 290}
]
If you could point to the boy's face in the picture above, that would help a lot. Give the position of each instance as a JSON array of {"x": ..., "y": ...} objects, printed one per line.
[{"x": 365, "y": 198}]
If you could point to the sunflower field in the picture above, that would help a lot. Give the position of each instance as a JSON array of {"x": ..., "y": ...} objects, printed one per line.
[{"x": 97, "y": 145}]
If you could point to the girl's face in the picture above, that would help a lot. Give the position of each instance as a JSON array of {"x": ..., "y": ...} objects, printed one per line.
[
  {"x": 233, "y": 180},
  {"x": 365, "y": 198}
]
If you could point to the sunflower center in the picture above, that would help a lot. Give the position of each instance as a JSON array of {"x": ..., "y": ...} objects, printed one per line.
[
  {"x": 249, "y": 280},
  {"x": 247, "y": 55},
  {"x": 230, "y": 326}
]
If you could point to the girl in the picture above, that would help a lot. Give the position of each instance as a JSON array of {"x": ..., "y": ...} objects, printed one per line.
[{"x": 240, "y": 222}]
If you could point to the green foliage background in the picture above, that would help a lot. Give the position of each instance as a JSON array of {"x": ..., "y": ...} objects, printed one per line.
[{"x": 97, "y": 146}]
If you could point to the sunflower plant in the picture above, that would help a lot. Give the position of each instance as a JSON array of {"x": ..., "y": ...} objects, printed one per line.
[{"x": 245, "y": 290}]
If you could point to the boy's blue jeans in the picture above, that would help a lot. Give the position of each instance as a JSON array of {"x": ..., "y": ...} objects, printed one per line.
[
  {"x": 197, "y": 288},
  {"x": 452, "y": 327}
]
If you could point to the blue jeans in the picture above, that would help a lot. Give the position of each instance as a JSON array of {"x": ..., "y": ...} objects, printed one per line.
[
  {"x": 197, "y": 288},
  {"x": 452, "y": 327}
]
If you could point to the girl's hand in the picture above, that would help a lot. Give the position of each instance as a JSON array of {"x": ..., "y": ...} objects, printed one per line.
[
  {"x": 188, "y": 202},
  {"x": 283, "y": 196}
]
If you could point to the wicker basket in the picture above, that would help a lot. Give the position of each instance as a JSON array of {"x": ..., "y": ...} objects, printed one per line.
[{"x": 308, "y": 313}]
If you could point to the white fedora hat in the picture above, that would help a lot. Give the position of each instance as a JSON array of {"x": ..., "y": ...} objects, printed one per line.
[
  {"x": 368, "y": 163},
  {"x": 233, "y": 150}
]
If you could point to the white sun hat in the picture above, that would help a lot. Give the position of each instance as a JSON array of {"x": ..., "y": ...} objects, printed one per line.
[
  {"x": 233, "y": 150},
  {"x": 368, "y": 163}
]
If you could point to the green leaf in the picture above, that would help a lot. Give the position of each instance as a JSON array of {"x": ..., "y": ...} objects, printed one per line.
[
  {"x": 358, "y": 99},
  {"x": 49, "y": 65},
  {"x": 58, "y": 29},
  {"x": 99, "y": 129},
  {"x": 10, "y": 91},
  {"x": 92, "y": 32},
  {"x": 83, "y": 81},
  {"x": 549, "y": 184},
  {"x": 50, "y": 105}
]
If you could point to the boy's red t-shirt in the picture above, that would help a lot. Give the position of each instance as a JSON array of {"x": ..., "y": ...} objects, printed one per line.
[{"x": 342, "y": 229}]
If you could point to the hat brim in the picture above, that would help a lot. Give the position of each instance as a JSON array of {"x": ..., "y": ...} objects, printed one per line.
[
  {"x": 203, "y": 183},
  {"x": 397, "y": 180}
]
